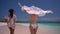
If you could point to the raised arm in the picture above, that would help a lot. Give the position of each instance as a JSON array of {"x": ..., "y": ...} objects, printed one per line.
[
  {"x": 20, "y": 4},
  {"x": 24, "y": 8}
]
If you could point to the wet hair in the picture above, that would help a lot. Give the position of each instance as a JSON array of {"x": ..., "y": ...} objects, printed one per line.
[{"x": 11, "y": 11}]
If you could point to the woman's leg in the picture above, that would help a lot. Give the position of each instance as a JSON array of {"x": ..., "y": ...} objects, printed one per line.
[
  {"x": 31, "y": 29},
  {"x": 35, "y": 30},
  {"x": 11, "y": 30}
]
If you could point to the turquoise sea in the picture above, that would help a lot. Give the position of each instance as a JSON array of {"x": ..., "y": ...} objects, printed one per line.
[
  {"x": 53, "y": 25},
  {"x": 54, "y": 28}
]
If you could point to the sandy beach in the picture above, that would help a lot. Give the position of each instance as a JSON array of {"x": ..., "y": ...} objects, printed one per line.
[{"x": 22, "y": 29}]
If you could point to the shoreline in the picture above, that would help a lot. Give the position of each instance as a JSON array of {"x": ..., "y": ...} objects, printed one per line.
[{"x": 23, "y": 29}]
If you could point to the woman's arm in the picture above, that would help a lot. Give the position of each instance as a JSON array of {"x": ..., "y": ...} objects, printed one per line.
[
  {"x": 22, "y": 7},
  {"x": 6, "y": 18},
  {"x": 14, "y": 18},
  {"x": 20, "y": 4}
]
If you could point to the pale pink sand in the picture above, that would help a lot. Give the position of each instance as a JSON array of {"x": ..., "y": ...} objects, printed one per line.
[{"x": 22, "y": 29}]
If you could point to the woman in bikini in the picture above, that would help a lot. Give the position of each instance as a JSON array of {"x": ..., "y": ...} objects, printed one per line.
[
  {"x": 33, "y": 13},
  {"x": 11, "y": 20}
]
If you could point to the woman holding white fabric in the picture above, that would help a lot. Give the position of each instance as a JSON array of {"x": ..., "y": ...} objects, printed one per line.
[
  {"x": 34, "y": 12},
  {"x": 33, "y": 20}
]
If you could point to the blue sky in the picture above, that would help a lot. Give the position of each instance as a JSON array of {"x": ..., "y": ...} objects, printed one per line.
[{"x": 54, "y": 5}]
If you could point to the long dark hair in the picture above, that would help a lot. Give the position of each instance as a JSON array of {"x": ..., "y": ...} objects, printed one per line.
[{"x": 11, "y": 11}]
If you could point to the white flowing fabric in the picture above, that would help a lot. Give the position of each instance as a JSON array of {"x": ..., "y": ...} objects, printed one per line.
[{"x": 36, "y": 10}]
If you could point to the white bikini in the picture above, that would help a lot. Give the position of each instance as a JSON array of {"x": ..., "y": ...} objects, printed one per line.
[{"x": 34, "y": 25}]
